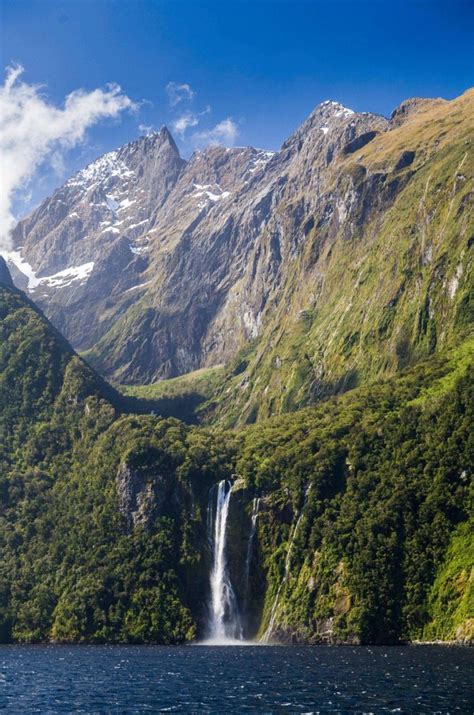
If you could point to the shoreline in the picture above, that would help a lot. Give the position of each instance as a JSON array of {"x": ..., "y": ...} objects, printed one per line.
[{"x": 244, "y": 644}]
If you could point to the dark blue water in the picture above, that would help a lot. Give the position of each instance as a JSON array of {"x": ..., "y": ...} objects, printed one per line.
[{"x": 198, "y": 679}]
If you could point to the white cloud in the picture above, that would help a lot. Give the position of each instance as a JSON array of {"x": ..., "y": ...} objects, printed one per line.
[
  {"x": 187, "y": 120},
  {"x": 184, "y": 122},
  {"x": 34, "y": 131},
  {"x": 225, "y": 132},
  {"x": 177, "y": 92},
  {"x": 146, "y": 128}
]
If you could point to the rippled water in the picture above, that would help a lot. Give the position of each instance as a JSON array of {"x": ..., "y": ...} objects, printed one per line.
[{"x": 197, "y": 679}]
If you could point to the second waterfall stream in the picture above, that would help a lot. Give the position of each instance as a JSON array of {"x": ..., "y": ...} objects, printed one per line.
[{"x": 225, "y": 624}]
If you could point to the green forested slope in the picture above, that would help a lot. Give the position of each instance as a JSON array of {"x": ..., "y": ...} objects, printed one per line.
[
  {"x": 362, "y": 531},
  {"x": 386, "y": 474},
  {"x": 71, "y": 568}
]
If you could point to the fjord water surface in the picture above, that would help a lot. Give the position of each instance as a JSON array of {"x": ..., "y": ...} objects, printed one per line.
[{"x": 264, "y": 679}]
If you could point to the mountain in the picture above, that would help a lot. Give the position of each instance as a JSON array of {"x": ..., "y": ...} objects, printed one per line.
[
  {"x": 340, "y": 264},
  {"x": 384, "y": 275},
  {"x": 343, "y": 257},
  {"x": 347, "y": 522},
  {"x": 84, "y": 241}
]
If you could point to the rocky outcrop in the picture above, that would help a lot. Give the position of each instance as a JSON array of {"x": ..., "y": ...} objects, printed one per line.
[
  {"x": 401, "y": 113},
  {"x": 142, "y": 495}
]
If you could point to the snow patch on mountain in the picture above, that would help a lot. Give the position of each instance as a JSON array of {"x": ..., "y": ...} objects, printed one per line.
[
  {"x": 140, "y": 285},
  {"x": 204, "y": 190},
  {"x": 14, "y": 258},
  {"x": 61, "y": 279},
  {"x": 100, "y": 170},
  {"x": 64, "y": 278},
  {"x": 136, "y": 225}
]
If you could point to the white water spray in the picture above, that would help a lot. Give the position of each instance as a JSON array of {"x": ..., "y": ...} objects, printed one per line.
[{"x": 224, "y": 618}]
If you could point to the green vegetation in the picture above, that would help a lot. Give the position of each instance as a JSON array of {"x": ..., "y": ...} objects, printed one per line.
[
  {"x": 365, "y": 300},
  {"x": 186, "y": 396},
  {"x": 72, "y": 569},
  {"x": 451, "y": 602},
  {"x": 387, "y": 483},
  {"x": 364, "y": 500}
]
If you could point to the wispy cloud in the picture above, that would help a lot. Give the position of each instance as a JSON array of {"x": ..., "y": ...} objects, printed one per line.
[
  {"x": 184, "y": 122},
  {"x": 187, "y": 120},
  {"x": 146, "y": 128},
  {"x": 178, "y": 92},
  {"x": 33, "y": 131},
  {"x": 225, "y": 133}
]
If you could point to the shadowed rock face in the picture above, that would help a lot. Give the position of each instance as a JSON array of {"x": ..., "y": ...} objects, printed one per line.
[
  {"x": 5, "y": 277},
  {"x": 159, "y": 266}
]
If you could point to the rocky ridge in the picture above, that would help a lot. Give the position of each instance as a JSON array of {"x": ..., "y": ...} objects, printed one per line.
[{"x": 170, "y": 266}]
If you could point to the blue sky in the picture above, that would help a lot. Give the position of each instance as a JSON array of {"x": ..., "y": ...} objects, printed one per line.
[{"x": 262, "y": 63}]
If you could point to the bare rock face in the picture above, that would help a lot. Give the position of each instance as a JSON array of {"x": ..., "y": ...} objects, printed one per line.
[
  {"x": 142, "y": 496},
  {"x": 223, "y": 245},
  {"x": 162, "y": 266}
]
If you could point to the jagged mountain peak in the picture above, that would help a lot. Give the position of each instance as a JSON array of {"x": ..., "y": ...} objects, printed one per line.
[
  {"x": 334, "y": 113},
  {"x": 112, "y": 199},
  {"x": 331, "y": 126},
  {"x": 332, "y": 107},
  {"x": 152, "y": 141},
  {"x": 119, "y": 162},
  {"x": 162, "y": 265},
  {"x": 165, "y": 134}
]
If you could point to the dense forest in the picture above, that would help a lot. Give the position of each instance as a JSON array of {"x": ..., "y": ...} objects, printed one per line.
[{"x": 362, "y": 533}]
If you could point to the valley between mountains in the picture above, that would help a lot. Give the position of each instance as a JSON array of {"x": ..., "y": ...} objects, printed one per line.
[{"x": 291, "y": 331}]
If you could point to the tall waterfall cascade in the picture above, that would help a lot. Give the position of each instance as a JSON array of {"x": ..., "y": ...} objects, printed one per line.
[
  {"x": 224, "y": 621},
  {"x": 224, "y": 618}
]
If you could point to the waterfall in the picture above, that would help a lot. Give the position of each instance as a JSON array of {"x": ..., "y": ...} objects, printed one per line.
[
  {"x": 224, "y": 617},
  {"x": 271, "y": 623},
  {"x": 253, "y": 527}
]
